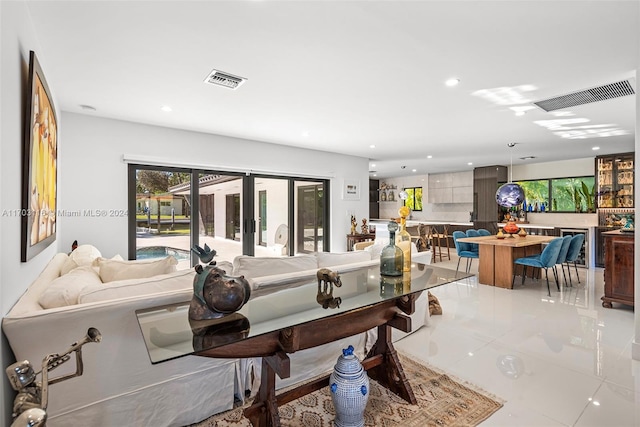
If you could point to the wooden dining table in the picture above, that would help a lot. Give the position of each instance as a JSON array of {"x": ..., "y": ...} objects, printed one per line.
[{"x": 496, "y": 266}]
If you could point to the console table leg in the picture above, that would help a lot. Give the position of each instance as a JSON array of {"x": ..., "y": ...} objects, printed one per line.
[
  {"x": 264, "y": 411},
  {"x": 389, "y": 373}
]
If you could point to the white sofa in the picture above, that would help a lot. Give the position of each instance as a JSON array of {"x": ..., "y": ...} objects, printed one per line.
[{"x": 119, "y": 385}]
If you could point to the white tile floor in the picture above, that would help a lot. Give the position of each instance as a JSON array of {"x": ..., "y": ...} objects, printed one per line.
[{"x": 562, "y": 360}]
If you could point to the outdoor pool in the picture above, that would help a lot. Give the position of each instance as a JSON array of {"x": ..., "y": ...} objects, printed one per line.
[{"x": 151, "y": 252}]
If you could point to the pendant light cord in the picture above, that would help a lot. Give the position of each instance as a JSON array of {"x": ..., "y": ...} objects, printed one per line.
[{"x": 511, "y": 145}]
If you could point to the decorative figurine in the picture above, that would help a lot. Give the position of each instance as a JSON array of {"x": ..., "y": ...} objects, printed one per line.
[
  {"x": 30, "y": 405},
  {"x": 329, "y": 278},
  {"x": 326, "y": 280},
  {"x": 215, "y": 294},
  {"x": 349, "y": 385},
  {"x": 364, "y": 228},
  {"x": 354, "y": 224}
]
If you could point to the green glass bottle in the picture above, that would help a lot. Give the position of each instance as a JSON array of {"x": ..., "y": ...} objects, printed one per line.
[{"x": 391, "y": 258}]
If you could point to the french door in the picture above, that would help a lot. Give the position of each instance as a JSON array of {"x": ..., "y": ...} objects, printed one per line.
[{"x": 232, "y": 213}]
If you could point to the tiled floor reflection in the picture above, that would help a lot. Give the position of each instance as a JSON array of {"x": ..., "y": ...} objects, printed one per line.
[{"x": 562, "y": 360}]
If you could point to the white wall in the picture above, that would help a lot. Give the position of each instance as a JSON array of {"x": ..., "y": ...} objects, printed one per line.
[
  {"x": 17, "y": 38},
  {"x": 453, "y": 212},
  {"x": 460, "y": 212},
  {"x": 559, "y": 169},
  {"x": 93, "y": 174}
]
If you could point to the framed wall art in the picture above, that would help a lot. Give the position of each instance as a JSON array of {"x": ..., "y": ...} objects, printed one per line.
[
  {"x": 40, "y": 165},
  {"x": 351, "y": 190}
]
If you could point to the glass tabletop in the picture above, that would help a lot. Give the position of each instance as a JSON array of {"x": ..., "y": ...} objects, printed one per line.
[{"x": 169, "y": 333}]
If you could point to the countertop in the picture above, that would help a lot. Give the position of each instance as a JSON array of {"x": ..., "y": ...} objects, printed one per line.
[
  {"x": 629, "y": 234},
  {"x": 415, "y": 222},
  {"x": 549, "y": 227}
]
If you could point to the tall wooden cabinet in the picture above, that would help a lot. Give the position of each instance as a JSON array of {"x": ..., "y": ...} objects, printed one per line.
[
  {"x": 486, "y": 181},
  {"x": 374, "y": 208},
  {"x": 618, "y": 268}
]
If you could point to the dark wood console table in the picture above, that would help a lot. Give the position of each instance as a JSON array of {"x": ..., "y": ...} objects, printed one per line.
[
  {"x": 298, "y": 323},
  {"x": 618, "y": 268},
  {"x": 352, "y": 239}
]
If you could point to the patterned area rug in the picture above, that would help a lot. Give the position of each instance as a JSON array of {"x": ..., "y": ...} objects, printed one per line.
[{"x": 442, "y": 401}]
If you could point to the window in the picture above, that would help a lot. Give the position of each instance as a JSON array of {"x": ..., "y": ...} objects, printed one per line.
[
  {"x": 573, "y": 194},
  {"x": 414, "y": 198},
  {"x": 536, "y": 194},
  {"x": 560, "y": 194}
]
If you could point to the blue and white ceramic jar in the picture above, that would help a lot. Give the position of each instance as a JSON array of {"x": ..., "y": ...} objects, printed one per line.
[{"x": 349, "y": 386}]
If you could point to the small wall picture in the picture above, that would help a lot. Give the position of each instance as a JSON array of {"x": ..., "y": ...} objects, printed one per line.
[{"x": 351, "y": 190}]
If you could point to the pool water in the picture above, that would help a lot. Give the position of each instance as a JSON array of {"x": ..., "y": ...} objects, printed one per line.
[{"x": 152, "y": 252}]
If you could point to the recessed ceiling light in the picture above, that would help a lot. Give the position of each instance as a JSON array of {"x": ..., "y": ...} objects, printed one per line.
[
  {"x": 166, "y": 109},
  {"x": 88, "y": 107},
  {"x": 470, "y": 163},
  {"x": 595, "y": 148},
  {"x": 414, "y": 170},
  {"x": 452, "y": 82},
  {"x": 305, "y": 134},
  {"x": 372, "y": 146},
  {"x": 520, "y": 113},
  {"x": 429, "y": 157}
]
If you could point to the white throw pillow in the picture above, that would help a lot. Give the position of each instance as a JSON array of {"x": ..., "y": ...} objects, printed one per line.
[
  {"x": 176, "y": 281},
  {"x": 332, "y": 259},
  {"x": 81, "y": 256},
  {"x": 249, "y": 266},
  {"x": 112, "y": 270},
  {"x": 65, "y": 289},
  {"x": 375, "y": 250}
]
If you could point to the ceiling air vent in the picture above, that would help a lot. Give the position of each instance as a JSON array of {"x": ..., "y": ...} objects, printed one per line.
[
  {"x": 600, "y": 93},
  {"x": 223, "y": 79}
]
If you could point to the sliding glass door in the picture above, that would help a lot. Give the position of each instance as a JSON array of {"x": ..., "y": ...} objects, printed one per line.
[
  {"x": 271, "y": 216},
  {"x": 309, "y": 217},
  {"x": 179, "y": 208}
]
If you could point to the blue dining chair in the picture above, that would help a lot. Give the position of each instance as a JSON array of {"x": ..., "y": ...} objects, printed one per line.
[
  {"x": 464, "y": 250},
  {"x": 483, "y": 232},
  {"x": 573, "y": 253},
  {"x": 546, "y": 259},
  {"x": 473, "y": 233},
  {"x": 562, "y": 257}
]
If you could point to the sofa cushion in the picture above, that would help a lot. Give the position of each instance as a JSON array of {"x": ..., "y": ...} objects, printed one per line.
[
  {"x": 112, "y": 270},
  {"x": 65, "y": 289},
  {"x": 249, "y": 266},
  {"x": 331, "y": 259},
  {"x": 80, "y": 256},
  {"x": 174, "y": 281}
]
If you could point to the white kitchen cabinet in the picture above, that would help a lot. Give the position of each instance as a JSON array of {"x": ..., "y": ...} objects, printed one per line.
[{"x": 456, "y": 187}]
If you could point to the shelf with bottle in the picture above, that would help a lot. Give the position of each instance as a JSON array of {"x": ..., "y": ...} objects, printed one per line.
[
  {"x": 387, "y": 193},
  {"x": 615, "y": 179}
]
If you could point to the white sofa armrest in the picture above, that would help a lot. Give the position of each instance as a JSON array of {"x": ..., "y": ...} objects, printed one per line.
[
  {"x": 118, "y": 370},
  {"x": 28, "y": 302}
]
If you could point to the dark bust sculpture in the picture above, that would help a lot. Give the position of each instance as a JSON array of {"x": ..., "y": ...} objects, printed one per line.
[{"x": 215, "y": 294}]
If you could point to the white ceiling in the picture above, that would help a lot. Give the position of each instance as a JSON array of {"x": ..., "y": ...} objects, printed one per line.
[{"x": 343, "y": 75}]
